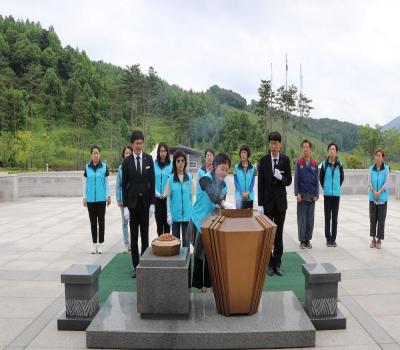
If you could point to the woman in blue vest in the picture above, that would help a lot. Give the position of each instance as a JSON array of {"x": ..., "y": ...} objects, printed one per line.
[
  {"x": 244, "y": 177},
  {"x": 180, "y": 192},
  {"x": 378, "y": 182},
  {"x": 331, "y": 177},
  {"x": 162, "y": 170},
  {"x": 207, "y": 166},
  {"x": 126, "y": 152},
  {"x": 96, "y": 195},
  {"x": 210, "y": 196}
]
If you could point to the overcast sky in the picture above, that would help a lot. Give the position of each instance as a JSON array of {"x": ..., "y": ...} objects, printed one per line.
[{"x": 349, "y": 50}]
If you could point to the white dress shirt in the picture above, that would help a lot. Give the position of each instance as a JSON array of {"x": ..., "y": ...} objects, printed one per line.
[
  {"x": 272, "y": 161},
  {"x": 140, "y": 160}
]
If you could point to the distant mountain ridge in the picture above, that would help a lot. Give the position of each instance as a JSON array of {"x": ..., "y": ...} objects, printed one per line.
[{"x": 394, "y": 124}]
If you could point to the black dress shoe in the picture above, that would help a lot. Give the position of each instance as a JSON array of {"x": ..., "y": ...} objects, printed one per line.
[
  {"x": 278, "y": 271},
  {"x": 270, "y": 271},
  {"x": 134, "y": 274}
]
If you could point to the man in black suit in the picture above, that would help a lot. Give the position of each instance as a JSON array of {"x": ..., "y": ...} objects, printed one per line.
[
  {"x": 274, "y": 174},
  {"x": 138, "y": 192}
]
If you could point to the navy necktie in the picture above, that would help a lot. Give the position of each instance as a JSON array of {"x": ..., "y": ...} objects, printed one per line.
[{"x": 138, "y": 165}]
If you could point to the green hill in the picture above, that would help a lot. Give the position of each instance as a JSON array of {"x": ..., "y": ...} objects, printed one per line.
[{"x": 55, "y": 103}]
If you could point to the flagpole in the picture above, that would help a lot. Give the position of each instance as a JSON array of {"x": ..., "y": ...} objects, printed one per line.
[
  {"x": 286, "y": 71},
  {"x": 301, "y": 80},
  {"x": 271, "y": 76}
]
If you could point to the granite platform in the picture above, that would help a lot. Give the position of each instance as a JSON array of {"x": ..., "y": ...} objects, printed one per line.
[{"x": 281, "y": 322}]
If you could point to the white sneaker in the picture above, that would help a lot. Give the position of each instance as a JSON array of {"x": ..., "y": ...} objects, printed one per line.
[
  {"x": 100, "y": 248},
  {"x": 127, "y": 249},
  {"x": 94, "y": 248}
]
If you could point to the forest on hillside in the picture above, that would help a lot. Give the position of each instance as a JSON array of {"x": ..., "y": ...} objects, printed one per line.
[{"x": 55, "y": 103}]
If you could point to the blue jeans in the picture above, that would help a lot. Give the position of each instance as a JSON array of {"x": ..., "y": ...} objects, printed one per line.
[
  {"x": 125, "y": 223},
  {"x": 176, "y": 231},
  {"x": 305, "y": 220}
]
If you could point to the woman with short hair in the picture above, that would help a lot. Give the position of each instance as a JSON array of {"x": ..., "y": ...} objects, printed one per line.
[
  {"x": 378, "y": 181},
  {"x": 244, "y": 178}
]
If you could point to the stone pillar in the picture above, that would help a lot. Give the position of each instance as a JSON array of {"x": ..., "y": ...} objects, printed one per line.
[
  {"x": 81, "y": 296},
  {"x": 163, "y": 283},
  {"x": 321, "y": 296}
]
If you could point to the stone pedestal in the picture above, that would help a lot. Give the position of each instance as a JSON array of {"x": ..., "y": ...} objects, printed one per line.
[
  {"x": 163, "y": 283},
  {"x": 321, "y": 296},
  {"x": 81, "y": 296}
]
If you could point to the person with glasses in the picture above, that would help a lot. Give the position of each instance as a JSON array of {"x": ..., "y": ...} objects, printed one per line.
[{"x": 180, "y": 193}]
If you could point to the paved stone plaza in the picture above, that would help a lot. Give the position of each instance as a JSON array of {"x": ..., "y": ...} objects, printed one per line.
[{"x": 41, "y": 237}]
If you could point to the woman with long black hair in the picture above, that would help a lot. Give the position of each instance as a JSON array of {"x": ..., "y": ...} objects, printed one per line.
[{"x": 162, "y": 170}]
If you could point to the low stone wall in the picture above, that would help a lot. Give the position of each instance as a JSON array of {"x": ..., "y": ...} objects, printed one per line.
[
  {"x": 51, "y": 184},
  {"x": 69, "y": 184},
  {"x": 356, "y": 182},
  {"x": 8, "y": 188}
]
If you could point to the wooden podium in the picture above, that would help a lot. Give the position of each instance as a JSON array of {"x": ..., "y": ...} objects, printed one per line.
[{"x": 238, "y": 245}]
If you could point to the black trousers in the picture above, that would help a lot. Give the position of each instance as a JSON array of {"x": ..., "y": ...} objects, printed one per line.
[
  {"x": 201, "y": 275},
  {"x": 161, "y": 216},
  {"x": 139, "y": 218},
  {"x": 377, "y": 215},
  {"x": 97, "y": 213},
  {"x": 331, "y": 210},
  {"x": 279, "y": 219}
]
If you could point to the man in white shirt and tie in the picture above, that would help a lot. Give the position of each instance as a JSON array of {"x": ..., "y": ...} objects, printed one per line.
[
  {"x": 274, "y": 174},
  {"x": 138, "y": 194}
]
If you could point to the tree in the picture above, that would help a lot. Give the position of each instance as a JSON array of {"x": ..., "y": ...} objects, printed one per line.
[
  {"x": 370, "y": 139},
  {"x": 228, "y": 97},
  {"x": 132, "y": 84},
  {"x": 304, "y": 108},
  {"x": 265, "y": 105},
  {"x": 286, "y": 102}
]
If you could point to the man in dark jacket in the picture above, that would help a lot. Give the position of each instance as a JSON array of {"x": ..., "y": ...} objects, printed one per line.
[
  {"x": 138, "y": 192},
  {"x": 274, "y": 174},
  {"x": 306, "y": 190}
]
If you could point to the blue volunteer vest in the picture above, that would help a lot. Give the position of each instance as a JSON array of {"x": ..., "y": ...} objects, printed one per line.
[
  {"x": 244, "y": 180},
  {"x": 378, "y": 178},
  {"x": 202, "y": 171},
  {"x": 181, "y": 197},
  {"x": 96, "y": 183},
  {"x": 161, "y": 176},
  {"x": 331, "y": 181},
  {"x": 204, "y": 206},
  {"x": 119, "y": 184}
]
